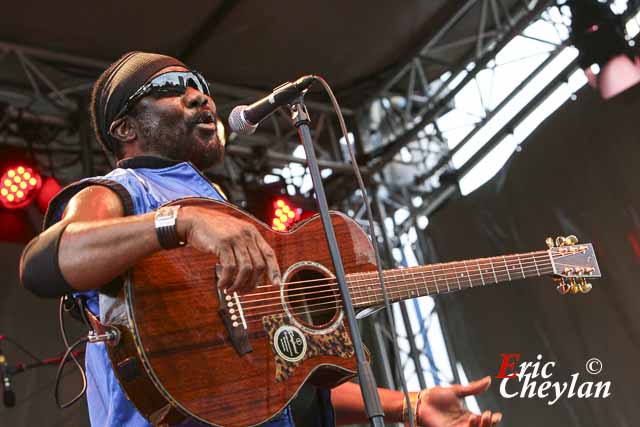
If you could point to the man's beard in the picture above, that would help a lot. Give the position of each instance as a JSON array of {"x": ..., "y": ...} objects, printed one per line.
[{"x": 179, "y": 143}]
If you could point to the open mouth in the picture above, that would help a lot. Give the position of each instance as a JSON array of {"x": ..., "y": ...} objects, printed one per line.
[{"x": 206, "y": 119}]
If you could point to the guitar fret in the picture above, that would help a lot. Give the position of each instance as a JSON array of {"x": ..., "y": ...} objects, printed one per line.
[
  {"x": 370, "y": 293},
  {"x": 481, "y": 273},
  {"x": 388, "y": 280},
  {"x": 494, "y": 270},
  {"x": 446, "y": 281},
  {"x": 407, "y": 285},
  {"x": 514, "y": 267},
  {"x": 435, "y": 281},
  {"x": 521, "y": 268},
  {"x": 423, "y": 281},
  {"x": 468, "y": 274},
  {"x": 455, "y": 273},
  {"x": 535, "y": 263},
  {"x": 415, "y": 292},
  {"x": 368, "y": 286},
  {"x": 504, "y": 258},
  {"x": 426, "y": 282}
]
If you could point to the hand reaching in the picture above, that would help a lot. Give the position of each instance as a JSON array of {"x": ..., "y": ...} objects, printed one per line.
[{"x": 441, "y": 407}]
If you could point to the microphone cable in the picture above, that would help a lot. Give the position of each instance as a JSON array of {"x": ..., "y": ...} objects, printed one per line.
[
  {"x": 374, "y": 241},
  {"x": 69, "y": 352}
]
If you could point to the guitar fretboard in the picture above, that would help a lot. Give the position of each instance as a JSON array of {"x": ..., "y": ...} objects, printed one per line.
[{"x": 406, "y": 283}]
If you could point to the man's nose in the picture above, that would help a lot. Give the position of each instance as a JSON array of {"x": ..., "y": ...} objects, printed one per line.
[{"x": 193, "y": 98}]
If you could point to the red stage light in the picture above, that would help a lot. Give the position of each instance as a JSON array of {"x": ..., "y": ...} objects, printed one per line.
[
  {"x": 15, "y": 193},
  {"x": 284, "y": 215}
]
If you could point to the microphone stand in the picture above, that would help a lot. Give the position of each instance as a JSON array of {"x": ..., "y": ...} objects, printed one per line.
[
  {"x": 9, "y": 399},
  {"x": 373, "y": 407}
]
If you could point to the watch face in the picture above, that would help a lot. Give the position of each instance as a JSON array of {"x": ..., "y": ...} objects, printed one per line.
[{"x": 166, "y": 216}]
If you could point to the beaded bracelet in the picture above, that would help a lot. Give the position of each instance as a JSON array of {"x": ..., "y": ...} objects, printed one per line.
[{"x": 414, "y": 398}]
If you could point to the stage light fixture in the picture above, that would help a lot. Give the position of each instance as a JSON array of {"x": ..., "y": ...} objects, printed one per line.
[
  {"x": 284, "y": 215},
  {"x": 605, "y": 55},
  {"x": 20, "y": 185}
]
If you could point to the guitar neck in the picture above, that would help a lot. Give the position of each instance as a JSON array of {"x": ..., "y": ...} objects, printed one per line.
[{"x": 407, "y": 283}]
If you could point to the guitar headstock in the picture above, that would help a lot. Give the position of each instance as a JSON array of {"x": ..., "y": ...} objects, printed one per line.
[{"x": 573, "y": 264}]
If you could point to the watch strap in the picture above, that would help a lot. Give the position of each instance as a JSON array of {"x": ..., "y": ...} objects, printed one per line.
[{"x": 166, "y": 229}]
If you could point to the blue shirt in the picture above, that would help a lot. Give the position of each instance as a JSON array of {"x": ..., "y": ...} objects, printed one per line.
[{"x": 148, "y": 188}]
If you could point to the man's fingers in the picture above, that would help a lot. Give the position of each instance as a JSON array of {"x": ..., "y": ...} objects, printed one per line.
[
  {"x": 228, "y": 263},
  {"x": 474, "y": 387},
  {"x": 485, "y": 420},
  {"x": 245, "y": 266},
  {"x": 258, "y": 267},
  {"x": 272, "y": 268}
]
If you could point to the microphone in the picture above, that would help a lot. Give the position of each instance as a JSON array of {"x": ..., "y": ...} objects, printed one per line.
[
  {"x": 244, "y": 119},
  {"x": 8, "y": 396}
]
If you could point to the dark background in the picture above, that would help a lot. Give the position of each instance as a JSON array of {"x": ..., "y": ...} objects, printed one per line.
[{"x": 577, "y": 174}]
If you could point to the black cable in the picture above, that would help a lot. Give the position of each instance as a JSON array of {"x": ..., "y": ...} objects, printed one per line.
[
  {"x": 68, "y": 352},
  {"x": 374, "y": 240}
]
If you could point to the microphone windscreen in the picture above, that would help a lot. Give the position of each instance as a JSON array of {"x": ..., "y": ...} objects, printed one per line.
[{"x": 238, "y": 123}]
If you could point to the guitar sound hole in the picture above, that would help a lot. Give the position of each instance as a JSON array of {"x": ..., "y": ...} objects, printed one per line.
[{"x": 312, "y": 297}]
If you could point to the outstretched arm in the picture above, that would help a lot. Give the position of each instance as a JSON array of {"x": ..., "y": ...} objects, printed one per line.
[
  {"x": 438, "y": 406},
  {"x": 99, "y": 243}
]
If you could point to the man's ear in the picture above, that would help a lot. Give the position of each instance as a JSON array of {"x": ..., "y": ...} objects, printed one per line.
[{"x": 124, "y": 130}]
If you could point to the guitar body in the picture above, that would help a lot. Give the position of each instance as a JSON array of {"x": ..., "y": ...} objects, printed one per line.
[{"x": 187, "y": 350}]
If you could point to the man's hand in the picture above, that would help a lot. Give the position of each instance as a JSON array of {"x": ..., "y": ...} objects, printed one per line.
[
  {"x": 441, "y": 407},
  {"x": 244, "y": 255}
]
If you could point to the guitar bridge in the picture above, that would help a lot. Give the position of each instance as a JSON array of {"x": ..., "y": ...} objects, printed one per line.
[{"x": 230, "y": 310}]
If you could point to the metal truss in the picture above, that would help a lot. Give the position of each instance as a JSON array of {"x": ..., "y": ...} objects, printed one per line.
[
  {"x": 43, "y": 108},
  {"x": 407, "y": 148},
  {"x": 404, "y": 116}
]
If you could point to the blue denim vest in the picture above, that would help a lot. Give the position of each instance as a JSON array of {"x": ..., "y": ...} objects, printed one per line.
[{"x": 147, "y": 188}]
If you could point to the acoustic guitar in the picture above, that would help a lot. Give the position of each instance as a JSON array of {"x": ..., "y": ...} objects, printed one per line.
[{"x": 183, "y": 349}]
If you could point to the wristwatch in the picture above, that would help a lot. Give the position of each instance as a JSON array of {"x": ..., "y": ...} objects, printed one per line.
[{"x": 166, "y": 230}]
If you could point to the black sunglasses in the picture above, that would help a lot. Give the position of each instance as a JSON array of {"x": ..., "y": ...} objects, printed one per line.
[{"x": 171, "y": 82}]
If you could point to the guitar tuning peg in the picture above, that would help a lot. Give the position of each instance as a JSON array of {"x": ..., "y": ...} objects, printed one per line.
[
  {"x": 562, "y": 288},
  {"x": 560, "y": 241},
  {"x": 585, "y": 287},
  {"x": 549, "y": 242},
  {"x": 574, "y": 288},
  {"x": 570, "y": 240}
]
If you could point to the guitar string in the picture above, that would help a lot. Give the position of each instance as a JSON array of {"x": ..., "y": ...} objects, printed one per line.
[
  {"x": 258, "y": 317},
  {"x": 545, "y": 254},
  {"x": 404, "y": 275},
  {"x": 401, "y": 288},
  {"x": 446, "y": 275},
  {"x": 252, "y": 316},
  {"x": 400, "y": 283},
  {"x": 330, "y": 306},
  {"x": 443, "y": 269},
  {"x": 412, "y": 270}
]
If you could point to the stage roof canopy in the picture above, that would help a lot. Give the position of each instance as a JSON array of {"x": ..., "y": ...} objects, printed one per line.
[{"x": 357, "y": 45}]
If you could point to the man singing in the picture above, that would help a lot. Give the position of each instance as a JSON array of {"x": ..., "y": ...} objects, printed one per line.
[{"x": 157, "y": 117}]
